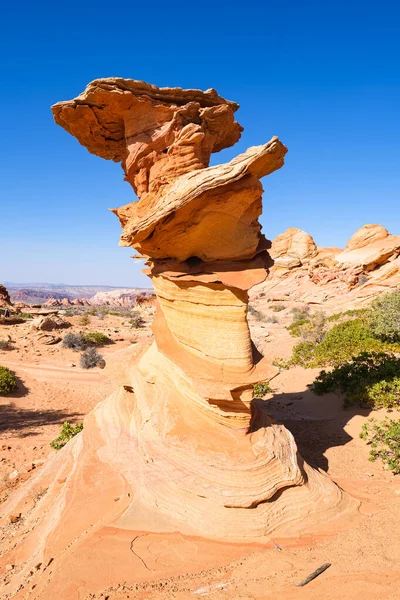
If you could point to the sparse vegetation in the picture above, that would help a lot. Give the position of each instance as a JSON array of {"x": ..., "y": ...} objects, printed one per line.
[
  {"x": 96, "y": 338},
  {"x": 256, "y": 314},
  {"x": 136, "y": 321},
  {"x": 272, "y": 319},
  {"x": 384, "y": 439},
  {"x": 261, "y": 389},
  {"x": 348, "y": 314},
  {"x": 25, "y": 315},
  {"x": 84, "y": 320},
  {"x": 8, "y": 381},
  {"x": 68, "y": 431},
  {"x": 90, "y": 358},
  {"x": 278, "y": 307},
  {"x": 5, "y": 345},
  {"x": 312, "y": 329},
  {"x": 372, "y": 379},
  {"x": 75, "y": 341}
]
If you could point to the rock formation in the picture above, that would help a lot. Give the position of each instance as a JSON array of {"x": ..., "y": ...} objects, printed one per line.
[
  {"x": 182, "y": 447},
  {"x": 5, "y": 300},
  {"x": 303, "y": 272}
]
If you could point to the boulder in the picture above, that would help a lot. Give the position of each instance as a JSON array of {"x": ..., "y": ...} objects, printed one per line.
[{"x": 49, "y": 323}]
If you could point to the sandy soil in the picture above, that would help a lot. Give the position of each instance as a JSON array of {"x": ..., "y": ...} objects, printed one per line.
[{"x": 364, "y": 553}]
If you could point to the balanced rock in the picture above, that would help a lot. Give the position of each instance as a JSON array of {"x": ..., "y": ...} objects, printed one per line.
[{"x": 182, "y": 446}]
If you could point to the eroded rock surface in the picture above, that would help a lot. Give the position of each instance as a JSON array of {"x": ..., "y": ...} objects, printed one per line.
[
  {"x": 303, "y": 272},
  {"x": 182, "y": 447}
]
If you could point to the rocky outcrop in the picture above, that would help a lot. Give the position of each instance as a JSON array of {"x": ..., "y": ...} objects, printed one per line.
[
  {"x": 120, "y": 297},
  {"x": 5, "y": 300},
  {"x": 303, "y": 272},
  {"x": 66, "y": 302},
  {"x": 50, "y": 323},
  {"x": 183, "y": 447},
  {"x": 291, "y": 248}
]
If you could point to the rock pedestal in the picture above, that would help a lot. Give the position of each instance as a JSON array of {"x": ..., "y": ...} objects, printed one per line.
[{"x": 189, "y": 450}]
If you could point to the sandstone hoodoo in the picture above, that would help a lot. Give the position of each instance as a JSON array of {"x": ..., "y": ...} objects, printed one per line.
[{"x": 189, "y": 450}]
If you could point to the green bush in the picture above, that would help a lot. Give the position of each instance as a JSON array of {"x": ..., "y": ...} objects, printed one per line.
[
  {"x": 384, "y": 439},
  {"x": 348, "y": 314},
  {"x": 370, "y": 378},
  {"x": 384, "y": 317},
  {"x": 340, "y": 344},
  {"x": 25, "y": 315},
  {"x": 96, "y": 339},
  {"x": 5, "y": 345},
  {"x": 8, "y": 381},
  {"x": 90, "y": 358},
  {"x": 261, "y": 389},
  {"x": 68, "y": 431},
  {"x": 310, "y": 327}
]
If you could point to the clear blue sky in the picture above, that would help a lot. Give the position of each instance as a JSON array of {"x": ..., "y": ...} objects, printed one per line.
[{"x": 323, "y": 76}]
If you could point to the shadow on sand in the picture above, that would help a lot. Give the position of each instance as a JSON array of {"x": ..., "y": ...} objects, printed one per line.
[
  {"x": 24, "y": 422},
  {"x": 316, "y": 422}
]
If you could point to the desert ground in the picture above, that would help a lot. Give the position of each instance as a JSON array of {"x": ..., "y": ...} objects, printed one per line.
[{"x": 364, "y": 550}]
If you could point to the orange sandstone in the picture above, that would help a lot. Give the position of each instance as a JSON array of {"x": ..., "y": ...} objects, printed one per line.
[{"x": 187, "y": 450}]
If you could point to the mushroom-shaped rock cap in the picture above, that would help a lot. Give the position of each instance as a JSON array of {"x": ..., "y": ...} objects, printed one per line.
[{"x": 112, "y": 110}]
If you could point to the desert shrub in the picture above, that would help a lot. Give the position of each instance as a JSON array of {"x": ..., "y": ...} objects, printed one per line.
[
  {"x": 136, "y": 321},
  {"x": 96, "y": 339},
  {"x": 25, "y": 315},
  {"x": 5, "y": 345},
  {"x": 384, "y": 439},
  {"x": 272, "y": 319},
  {"x": 300, "y": 314},
  {"x": 256, "y": 314},
  {"x": 75, "y": 341},
  {"x": 384, "y": 317},
  {"x": 278, "y": 307},
  {"x": 348, "y": 314},
  {"x": 68, "y": 431},
  {"x": 295, "y": 327},
  {"x": 312, "y": 329},
  {"x": 8, "y": 381},
  {"x": 90, "y": 358},
  {"x": 362, "y": 279},
  {"x": 115, "y": 313},
  {"x": 340, "y": 344},
  {"x": 370, "y": 378},
  {"x": 261, "y": 389},
  {"x": 261, "y": 294},
  {"x": 84, "y": 320}
]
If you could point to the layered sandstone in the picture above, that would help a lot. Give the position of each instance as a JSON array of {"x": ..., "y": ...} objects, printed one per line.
[
  {"x": 303, "y": 272},
  {"x": 183, "y": 447}
]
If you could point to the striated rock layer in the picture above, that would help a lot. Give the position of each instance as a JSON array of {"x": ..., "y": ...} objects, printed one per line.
[
  {"x": 183, "y": 447},
  {"x": 304, "y": 272}
]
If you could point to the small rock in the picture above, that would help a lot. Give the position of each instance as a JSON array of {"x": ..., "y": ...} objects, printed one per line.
[
  {"x": 38, "y": 462},
  {"x": 13, "y": 475},
  {"x": 9, "y": 567},
  {"x": 15, "y": 518}
]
